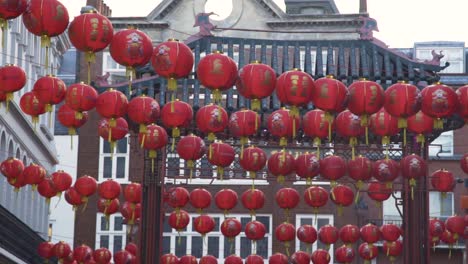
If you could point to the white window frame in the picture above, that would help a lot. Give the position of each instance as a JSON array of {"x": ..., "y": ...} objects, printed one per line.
[
  {"x": 174, "y": 236},
  {"x": 113, "y": 71},
  {"x": 438, "y": 195},
  {"x": 111, "y": 232},
  {"x": 442, "y": 146},
  {"x": 113, "y": 157},
  {"x": 329, "y": 217}
]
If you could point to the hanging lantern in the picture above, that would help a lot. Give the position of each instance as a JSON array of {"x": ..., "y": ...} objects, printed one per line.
[
  {"x": 109, "y": 189},
  {"x": 179, "y": 220},
  {"x": 253, "y": 159},
  {"x": 243, "y": 124},
  {"x": 12, "y": 168},
  {"x": 102, "y": 255},
  {"x": 281, "y": 164},
  {"x": 368, "y": 252},
  {"x": 283, "y": 124},
  {"x": 108, "y": 207},
  {"x": 316, "y": 126},
  {"x": 153, "y": 139},
  {"x": 230, "y": 228},
  {"x": 86, "y": 186},
  {"x": 349, "y": 125},
  {"x": 31, "y": 105},
  {"x": 253, "y": 199},
  {"x": 200, "y": 199},
  {"x": 46, "y": 19},
  {"x": 342, "y": 196},
  {"x": 256, "y": 81},
  {"x": 204, "y": 224},
  {"x": 169, "y": 259},
  {"x": 439, "y": 101},
  {"x": 191, "y": 148},
  {"x": 307, "y": 166},
  {"x": 143, "y": 110},
  {"x": 45, "y": 250},
  {"x": 81, "y": 97},
  {"x": 413, "y": 167},
  {"x": 462, "y": 94},
  {"x": 370, "y": 234},
  {"x": 62, "y": 181},
  {"x": 254, "y": 259},
  {"x": 50, "y": 91},
  {"x": 455, "y": 225},
  {"x": 300, "y": 257},
  {"x": 217, "y": 72},
  {"x": 172, "y": 60},
  {"x": 332, "y": 168},
  {"x": 61, "y": 250},
  {"x": 365, "y": 98},
  {"x": 122, "y": 257},
  {"x": 211, "y": 119},
  {"x": 208, "y": 259},
  {"x": 112, "y": 130},
  {"x": 328, "y": 235},
  {"x": 349, "y": 234},
  {"x": 386, "y": 171},
  {"x": 316, "y": 197},
  {"x": 390, "y": 232},
  {"x": 393, "y": 249},
  {"x": 360, "y": 170},
  {"x": 402, "y": 100},
  {"x": 132, "y": 192},
  {"x": 131, "y": 48},
  {"x": 329, "y": 95},
  {"x": 464, "y": 163},
  {"x": 175, "y": 115},
  {"x": 344, "y": 254},
  {"x": 307, "y": 234},
  {"x": 285, "y": 233},
  {"x": 34, "y": 174},
  {"x": 83, "y": 253},
  {"x": 436, "y": 229},
  {"x": 378, "y": 192},
  {"x": 221, "y": 155},
  {"x": 73, "y": 197},
  {"x": 12, "y": 78},
  {"x": 90, "y": 33},
  {"x": 226, "y": 199},
  {"x": 278, "y": 258},
  {"x": 384, "y": 125},
  {"x": 132, "y": 248},
  {"x": 287, "y": 198},
  {"x": 255, "y": 230},
  {"x": 320, "y": 256},
  {"x": 177, "y": 197},
  {"x": 68, "y": 118},
  {"x": 131, "y": 212},
  {"x": 233, "y": 259},
  {"x": 17, "y": 182},
  {"x": 294, "y": 88},
  {"x": 10, "y": 10},
  {"x": 112, "y": 104},
  {"x": 450, "y": 239},
  {"x": 443, "y": 181}
]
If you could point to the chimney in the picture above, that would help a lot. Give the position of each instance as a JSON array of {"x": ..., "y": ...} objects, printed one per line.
[
  {"x": 311, "y": 7},
  {"x": 100, "y": 6}
]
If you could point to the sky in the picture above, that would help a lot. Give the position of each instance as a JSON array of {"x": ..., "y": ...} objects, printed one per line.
[{"x": 400, "y": 22}]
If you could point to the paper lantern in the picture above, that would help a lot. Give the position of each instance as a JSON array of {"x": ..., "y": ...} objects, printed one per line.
[
  {"x": 307, "y": 166},
  {"x": 283, "y": 124},
  {"x": 439, "y": 101},
  {"x": 221, "y": 155},
  {"x": 443, "y": 180},
  {"x": 342, "y": 196},
  {"x": 370, "y": 234},
  {"x": 256, "y": 81},
  {"x": 386, "y": 171},
  {"x": 294, "y": 88},
  {"x": 253, "y": 199},
  {"x": 176, "y": 115},
  {"x": 349, "y": 234},
  {"x": 317, "y": 127},
  {"x": 12, "y": 78},
  {"x": 81, "y": 97},
  {"x": 316, "y": 197},
  {"x": 281, "y": 164},
  {"x": 384, "y": 125},
  {"x": 285, "y": 232},
  {"x": 344, "y": 254},
  {"x": 320, "y": 256},
  {"x": 253, "y": 159},
  {"x": 204, "y": 224},
  {"x": 179, "y": 220},
  {"x": 226, "y": 199},
  {"x": 300, "y": 257},
  {"x": 368, "y": 252},
  {"x": 143, "y": 110},
  {"x": 50, "y": 91},
  {"x": 200, "y": 198},
  {"x": 211, "y": 119},
  {"x": 332, "y": 168},
  {"x": 191, "y": 148},
  {"x": 328, "y": 235},
  {"x": 31, "y": 105},
  {"x": 413, "y": 167}
]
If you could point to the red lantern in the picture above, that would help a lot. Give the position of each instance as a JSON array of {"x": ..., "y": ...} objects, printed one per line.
[
  {"x": 287, "y": 198},
  {"x": 12, "y": 168},
  {"x": 307, "y": 166},
  {"x": 344, "y": 254},
  {"x": 285, "y": 232},
  {"x": 349, "y": 234},
  {"x": 332, "y": 168},
  {"x": 221, "y": 155},
  {"x": 191, "y": 148},
  {"x": 244, "y": 123},
  {"x": 316, "y": 126},
  {"x": 102, "y": 255},
  {"x": 86, "y": 186},
  {"x": 231, "y": 227},
  {"x": 68, "y": 118},
  {"x": 254, "y": 259},
  {"x": 443, "y": 180},
  {"x": 390, "y": 232},
  {"x": 294, "y": 88},
  {"x": 12, "y": 78},
  {"x": 420, "y": 124},
  {"x": 153, "y": 139},
  {"x": 62, "y": 181},
  {"x": 255, "y": 230},
  {"x": 143, "y": 110},
  {"x": 341, "y": 195},
  {"x": 370, "y": 234},
  {"x": 61, "y": 250},
  {"x": 50, "y": 90},
  {"x": 384, "y": 125},
  {"x": 368, "y": 252},
  {"x": 17, "y": 182},
  {"x": 307, "y": 234},
  {"x": 360, "y": 170},
  {"x": 34, "y": 174},
  {"x": 386, "y": 171},
  {"x": 462, "y": 94},
  {"x": 256, "y": 81},
  {"x": 109, "y": 189},
  {"x": 300, "y": 257},
  {"x": 455, "y": 225},
  {"x": 393, "y": 249},
  {"x": 211, "y": 119},
  {"x": 320, "y": 256},
  {"x": 448, "y": 238},
  {"x": 439, "y": 101},
  {"x": 73, "y": 197},
  {"x": 132, "y": 248},
  {"x": 349, "y": 125},
  {"x": 83, "y": 253},
  {"x": 253, "y": 199},
  {"x": 112, "y": 130},
  {"x": 204, "y": 224},
  {"x": 81, "y": 97},
  {"x": 169, "y": 259},
  {"x": 112, "y": 104},
  {"x": 365, "y": 98},
  {"x": 10, "y": 10},
  {"x": 177, "y": 197},
  {"x": 122, "y": 257},
  {"x": 208, "y": 259},
  {"x": 175, "y": 115},
  {"x": 200, "y": 198},
  {"x": 316, "y": 197},
  {"x": 131, "y": 212},
  {"x": 252, "y": 160},
  {"x": 217, "y": 72},
  {"x": 283, "y": 124},
  {"x": 179, "y": 220},
  {"x": 413, "y": 167},
  {"x": 464, "y": 163},
  {"x": 108, "y": 207},
  {"x": 172, "y": 60},
  {"x": 132, "y": 192},
  {"x": 233, "y": 259},
  {"x": 226, "y": 199},
  {"x": 31, "y": 105},
  {"x": 281, "y": 164},
  {"x": 278, "y": 258},
  {"x": 328, "y": 235},
  {"x": 378, "y": 191},
  {"x": 436, "y": 229},
  {"x": 45, "y": 249}
]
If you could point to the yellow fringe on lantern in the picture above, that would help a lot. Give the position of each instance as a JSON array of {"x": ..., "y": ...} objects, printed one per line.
[
  {"x": 220, "y": 171},
  {"x": 172, "y": 84},
  {"x": 329, "y": 119},
  {"x": 175, "y": 134},
  {"x": 255, "y": 105},
  {"x": 4, "y": 27},
  {"x": 71, "y": 132},
  {"x": 359, "y": 185},
  {"x": 353, "y": 142},
  {"x": 211, "y": 136},
  {"x": 412, "y": 183},
  {"x": 8, "y": 97},
  {"x": 283, "y": 141},
  {"x": 217, "y": 96},
  {"x": 438, "y": 123},
  {"x": 210, "y": 152},
  {"x": 252, "y": 175},
  {"x": 45, "y": 42},
  {"x": 280, "y": 179}
]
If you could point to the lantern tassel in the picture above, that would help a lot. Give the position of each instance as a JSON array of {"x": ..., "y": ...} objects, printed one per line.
[
  {"x": 217, "y": 96},
  {"x": 71, "y": 132},
  {"x": 9, "y": 97},
  {"x": 152, "y": 154},
  {"x": 359, "y": 185},
  {"x": 340, "y": 210},
  {"x": 438, "y": 123},
  {"x": 130, "y": 73},
  {"x": 220, "y": 171},
  {"x": 4, "y": 26},
  {"x": 175, "y": 134},
  {"x": 85, "y": 203},
  {"x": 412, "y": 183},
  {"x": 89, "y": 73},
  {"x": 283, "y": 141},
  {"x": 172, "y": 84},
  {"x": 329, "y": 119},
  {"x": 317, "y": 142},
  {"x": 255, "y": 105},
  {"x": 352, "y": 143},
  {"x": 286, "y": 245}
]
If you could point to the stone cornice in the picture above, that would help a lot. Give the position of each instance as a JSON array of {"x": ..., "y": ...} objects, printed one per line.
[
  {"x": 138, "y": 22},
  {"x": 318, "y": 20}
]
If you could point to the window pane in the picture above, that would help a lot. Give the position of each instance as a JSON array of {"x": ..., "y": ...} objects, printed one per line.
[
  {"x": 197, "y": 246},
  {"x": 166, "y": 226},
  {"x": 262, "y": 247},
  {"x": 266, "y": 221},
  {"x": 306, "y": 221},
  {"x": 213, "y": 246},
  {"x": 446, "y": 204},
  {"x": 244, "y": 221},
  {"x": 166, "y": 245},
  {"x": 107, "y": 167},
  {"x": 181, "y": 246},
  {"x": 216, "y": 228},
  {"x": 117, "y": 243},
  {"x": 193, "y": 221},
  {"x": 229, "y": 247},
  {"x": 104, "y": 241},
  {"x": 245, "y": 247},
  {"x": 118, "y": 223},
  {"x": 106, "y": 147},
  {"x": 120, "y": 174},
  {"x": 122, "y": 146},
  {"x": 104, "y": 224}
]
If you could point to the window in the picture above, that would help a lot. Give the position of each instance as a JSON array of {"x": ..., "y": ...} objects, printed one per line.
[
  {"x": 190, "y": 242},
  {"x": 110, "y": 234},
  {"x": 114, "y": 165},
  {"x": 117, "y": 71},
  {"x": 442, "y": 146},
  {"x": 390, "y": 209},
  {"x": 440, "y": 205},
  {"x": 316, "y": 221}
]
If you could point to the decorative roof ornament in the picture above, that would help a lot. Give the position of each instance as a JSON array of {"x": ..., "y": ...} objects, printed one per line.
[{"x": 368, "y": 26}]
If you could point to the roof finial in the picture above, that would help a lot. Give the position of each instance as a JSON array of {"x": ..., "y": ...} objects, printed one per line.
[{"x": 362, "y": 6}]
